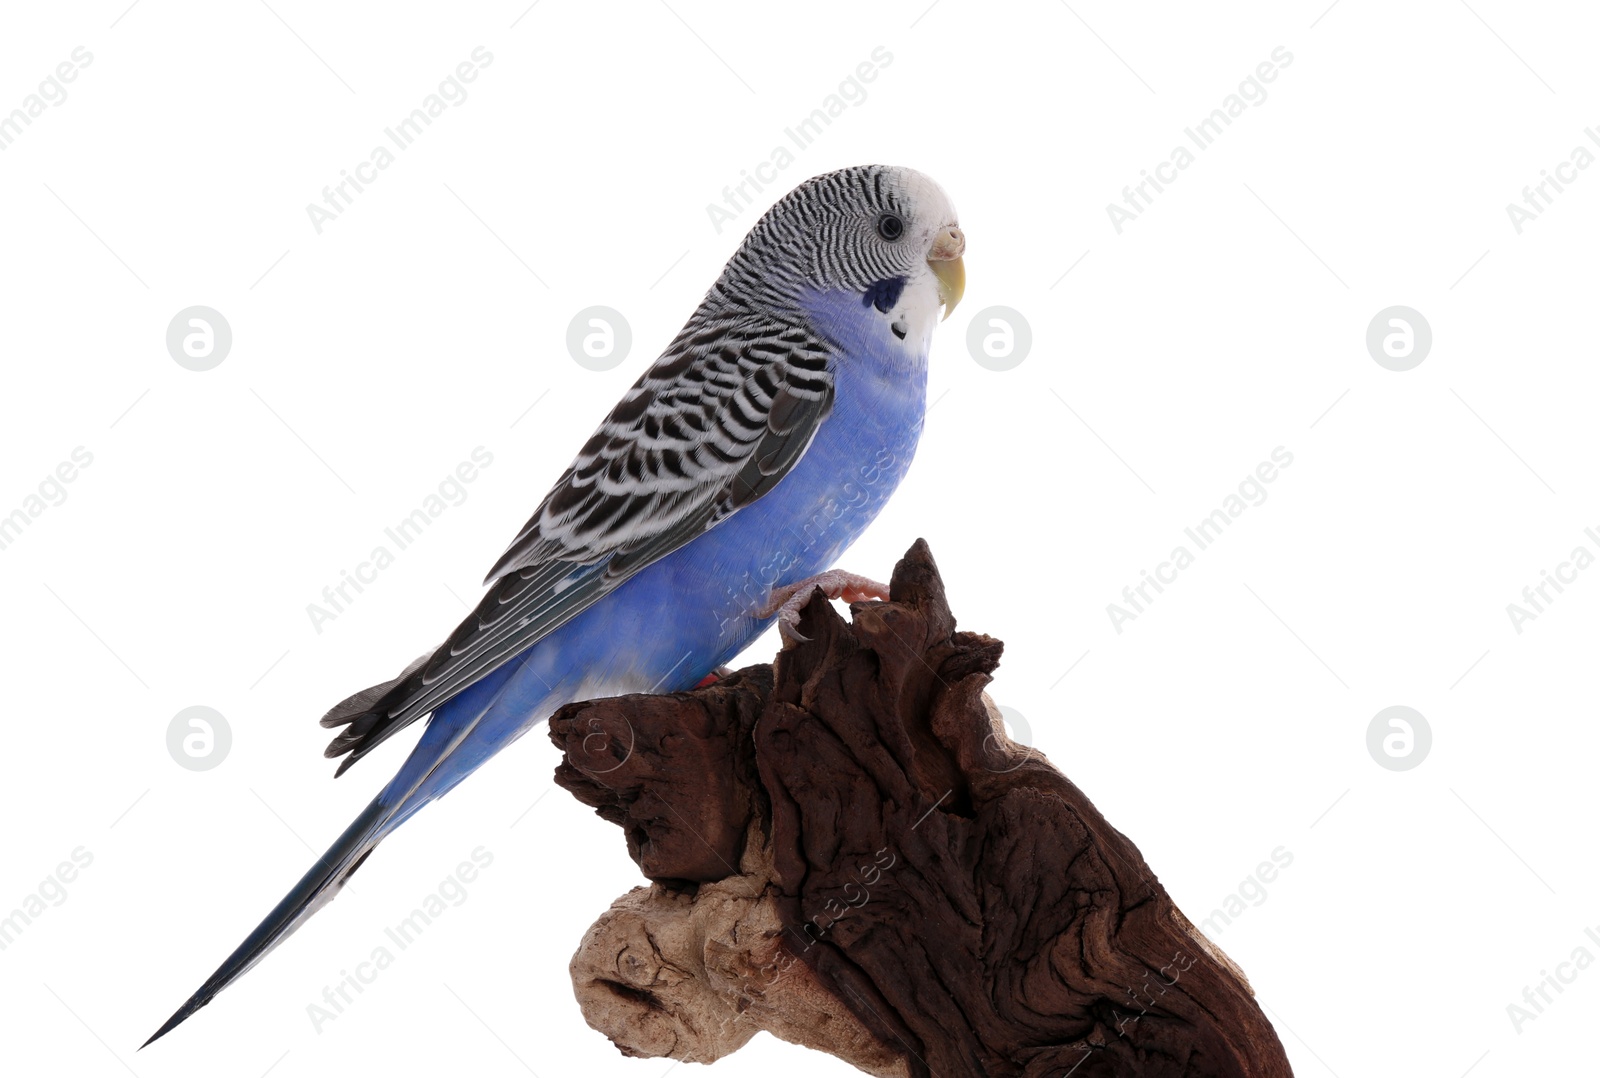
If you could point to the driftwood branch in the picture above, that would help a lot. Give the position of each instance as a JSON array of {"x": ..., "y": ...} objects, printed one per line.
[{"x": 846, "y": 850}]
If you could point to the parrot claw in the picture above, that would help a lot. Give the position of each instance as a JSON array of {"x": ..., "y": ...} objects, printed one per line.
[{"x": 787, "y": 601}]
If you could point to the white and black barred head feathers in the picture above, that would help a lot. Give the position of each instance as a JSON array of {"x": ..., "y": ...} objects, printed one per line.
[{"x": 871, "y": 227}]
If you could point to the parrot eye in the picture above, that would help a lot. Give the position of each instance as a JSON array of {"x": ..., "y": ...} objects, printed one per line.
[{"x": 891, "y": 227}]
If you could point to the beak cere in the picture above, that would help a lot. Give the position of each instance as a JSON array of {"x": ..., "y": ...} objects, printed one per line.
[{"x": 944, "y": 259}]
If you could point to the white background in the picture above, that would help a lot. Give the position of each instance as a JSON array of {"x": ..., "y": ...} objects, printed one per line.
[{"x": 369, "y": 360}]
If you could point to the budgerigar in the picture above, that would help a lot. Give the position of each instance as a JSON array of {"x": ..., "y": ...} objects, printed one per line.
[{"x": 717, "y": 493}]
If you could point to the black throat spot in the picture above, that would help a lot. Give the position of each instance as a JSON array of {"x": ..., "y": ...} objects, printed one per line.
[{"x": 884, "y": 294}]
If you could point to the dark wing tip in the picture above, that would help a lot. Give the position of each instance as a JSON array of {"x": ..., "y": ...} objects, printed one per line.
[
  {"x": 339, "y": 746},
  {"x": 371, "y": 715},
  {"x": 361, "y": 733}
]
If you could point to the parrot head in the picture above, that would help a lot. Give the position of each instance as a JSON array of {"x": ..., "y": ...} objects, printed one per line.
[{"x": 885, "y": 233}]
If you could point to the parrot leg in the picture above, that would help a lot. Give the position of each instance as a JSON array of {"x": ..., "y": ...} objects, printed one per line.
[
  {"x": 715, "y": 676},
  {"x": 787, "y": 601}
]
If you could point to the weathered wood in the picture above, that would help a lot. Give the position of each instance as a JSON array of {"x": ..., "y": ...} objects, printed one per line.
[{"x": 846, "y": 849}]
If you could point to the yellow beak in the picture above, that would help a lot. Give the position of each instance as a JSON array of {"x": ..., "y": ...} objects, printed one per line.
[{"x": 944, "y": 258}]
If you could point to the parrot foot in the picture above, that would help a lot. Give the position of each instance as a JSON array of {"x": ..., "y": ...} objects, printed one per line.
[
  {"x": 787, "y": 601},
  {"x": 715, "y": 676}
]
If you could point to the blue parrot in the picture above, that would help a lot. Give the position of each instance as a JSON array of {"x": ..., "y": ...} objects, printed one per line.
[{"x": 716, "y": 495}]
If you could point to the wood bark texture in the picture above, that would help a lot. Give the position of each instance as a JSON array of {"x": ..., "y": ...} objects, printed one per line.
[{"x": 845, "y": 849}]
